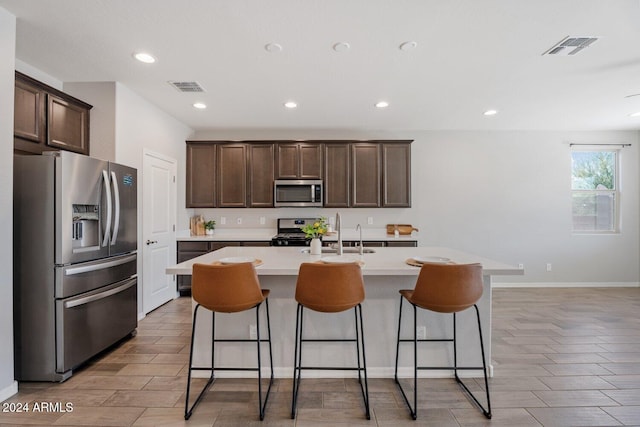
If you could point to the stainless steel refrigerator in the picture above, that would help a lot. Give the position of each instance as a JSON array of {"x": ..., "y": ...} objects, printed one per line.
[{"x": 75, "y": 241}]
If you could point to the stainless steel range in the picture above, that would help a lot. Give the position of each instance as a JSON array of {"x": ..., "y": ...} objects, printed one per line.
[{"x": 290, "y": 232}]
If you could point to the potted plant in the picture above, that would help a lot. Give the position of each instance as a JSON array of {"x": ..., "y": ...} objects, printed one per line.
[
  {"x": 209, "y": 226},
  {"x": 315, "y": 232}
]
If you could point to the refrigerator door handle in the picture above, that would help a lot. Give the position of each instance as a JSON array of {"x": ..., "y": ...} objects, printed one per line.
[
  {"x": 107, "y": 189},
  {"x": 116, "y": 199},
  {"x": 102, "y": 295},
  {"x": 95, "y": 267}
]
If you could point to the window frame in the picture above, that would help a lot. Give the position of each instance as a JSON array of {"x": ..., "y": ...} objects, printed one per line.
[{"x": 615, "y": 192}]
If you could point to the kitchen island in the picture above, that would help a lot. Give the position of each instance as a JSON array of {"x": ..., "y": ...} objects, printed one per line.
[{"x": 385, "y": 273}]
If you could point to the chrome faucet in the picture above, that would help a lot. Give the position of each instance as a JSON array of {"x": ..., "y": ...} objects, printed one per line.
[
  {"x": 359, "y": 228},
  {"x": 339, "y": 230}
]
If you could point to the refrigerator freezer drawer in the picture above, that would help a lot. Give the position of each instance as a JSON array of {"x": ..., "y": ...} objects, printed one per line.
[
  {"x": 79, "y": 278},
  {"x": 88, "y": 323}
]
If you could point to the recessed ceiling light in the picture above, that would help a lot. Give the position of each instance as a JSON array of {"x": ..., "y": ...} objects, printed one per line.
[
  {"x": 382, "y": 104},
  {"x": 636, "y": 114},
  {"x": 290, "y": 104},
  {"x": 410, "y": 45},
  {"x": 341, "y": 47},
  {"x": 490, "y": 112},
  {"x": 145, "y": 57},
  {"x": 200, "y": 105},
  {"x": 273, "y": 47}
]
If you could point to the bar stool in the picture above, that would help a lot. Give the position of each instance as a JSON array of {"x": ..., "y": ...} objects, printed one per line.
[
  {"x": 444, "y": 288},
  {"x": 330, "y": 288},
  {"x": 228, "y": 289}
]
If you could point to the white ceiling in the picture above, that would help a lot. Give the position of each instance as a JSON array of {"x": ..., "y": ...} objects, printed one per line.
[{"x": 472, "y": 55}]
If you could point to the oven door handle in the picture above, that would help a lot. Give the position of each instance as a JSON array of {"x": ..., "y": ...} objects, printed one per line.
[{"x": 96, "y": 297}]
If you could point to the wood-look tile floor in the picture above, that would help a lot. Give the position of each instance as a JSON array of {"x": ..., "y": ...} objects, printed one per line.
[{"x": 562, "y": 357}]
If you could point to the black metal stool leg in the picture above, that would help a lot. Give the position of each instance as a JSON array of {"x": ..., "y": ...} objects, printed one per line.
[
  {"x": 297, "y": 361},
  {"x": 486, "y": 412},
  {"x": 413, "y": 410},
  {"x": 262, "y": 406},
  {"x": 365, "y": 391},
  {"x": 188, "y": 411}
]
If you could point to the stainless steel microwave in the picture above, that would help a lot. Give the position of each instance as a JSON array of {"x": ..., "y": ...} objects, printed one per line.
[{"x": 297, "y": 193}]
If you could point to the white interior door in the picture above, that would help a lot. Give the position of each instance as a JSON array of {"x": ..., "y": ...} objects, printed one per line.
[{"x": 158, "y": 228}]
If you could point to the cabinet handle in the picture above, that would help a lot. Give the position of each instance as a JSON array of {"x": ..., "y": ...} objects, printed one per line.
[{"x": 151, "y": 242}]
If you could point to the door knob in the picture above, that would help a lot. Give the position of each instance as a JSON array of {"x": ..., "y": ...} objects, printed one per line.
[{"x": 151, "y": 242}]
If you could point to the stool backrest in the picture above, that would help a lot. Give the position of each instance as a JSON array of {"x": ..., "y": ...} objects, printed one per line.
[
  {"x": 448, "y": 288},
  {"x": 329, "y": 288},
  {"x": 226, "y": 288}
]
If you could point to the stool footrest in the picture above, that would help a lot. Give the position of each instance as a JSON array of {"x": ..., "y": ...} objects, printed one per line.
[
  {"x": 329, "y": 368},
  {"x": 239, "y": 340},
  {"x": 429, "y": 340},
  {"x": 452, "y": 368}
]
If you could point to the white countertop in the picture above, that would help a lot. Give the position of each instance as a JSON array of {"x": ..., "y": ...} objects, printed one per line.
[
  {"x": 285, "y": 261},
  {"x": 265, "y": 234}
]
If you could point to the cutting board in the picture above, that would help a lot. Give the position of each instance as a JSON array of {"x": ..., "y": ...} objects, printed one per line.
[{"x": 403, "y": 229}]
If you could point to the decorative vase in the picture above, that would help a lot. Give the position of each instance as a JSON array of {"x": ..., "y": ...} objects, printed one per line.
[
  {"x": 316, "y": 246},
  {"x": 209, "y": 231}
]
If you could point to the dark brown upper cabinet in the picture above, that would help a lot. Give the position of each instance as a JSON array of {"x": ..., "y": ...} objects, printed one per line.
[
  {"x": 48, "y": 119},
  {"x": 261, "y": 171},
  {"x": 298, "y": 160},
  {"x": 68, "y": 125},
  {"x": 201, "y": 175},
  {"x": 396, "y": 175},
  {"x": 29, "y": 112},
  {"x": 337, "y": 175},
  {"x": 356, "y": 174},
  {"x": 232, "y": 175},
  {"x": 365, "y": 175}
]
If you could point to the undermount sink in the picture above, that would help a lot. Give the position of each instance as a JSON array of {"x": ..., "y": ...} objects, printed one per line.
[{"x": 327, "y": 250}]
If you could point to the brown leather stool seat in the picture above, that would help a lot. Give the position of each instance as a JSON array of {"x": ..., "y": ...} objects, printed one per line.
[
  {"x": 330, "y": 288},
  {"x": 444, "y": 288},
  {"x": 228, "y": 289}
]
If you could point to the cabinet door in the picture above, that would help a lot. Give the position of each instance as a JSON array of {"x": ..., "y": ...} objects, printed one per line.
[
  {"x": 337, "y": 174},
  {"x": 261, "y": 175},
  {"x": 232, "y": 175},
  {"x": 287, "y": 162},
  {"x": 365, "y": 175},
  {"x": 310, "y": 161},
  {"x": 67, "y": 125},
  {"x": 396, "y": 175},
  {"x": 201, "y": 176},
  {"x": 29, "y": 112},
  {"x": 299, "y": 160}
]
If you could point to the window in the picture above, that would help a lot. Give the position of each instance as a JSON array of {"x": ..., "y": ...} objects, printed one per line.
[{"x": 594, "y": 187}]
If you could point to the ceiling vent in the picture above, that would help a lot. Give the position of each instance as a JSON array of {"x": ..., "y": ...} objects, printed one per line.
[
  {"x": 571, "y": 46},
  {"x": 187, "y": 86}
]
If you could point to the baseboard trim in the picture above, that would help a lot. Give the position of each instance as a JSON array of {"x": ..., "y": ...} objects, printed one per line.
[
  {"x": 8, "y": 391},
  {"x": 567, "y": 285}
]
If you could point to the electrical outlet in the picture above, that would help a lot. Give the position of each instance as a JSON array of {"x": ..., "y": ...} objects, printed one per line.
[
  {"x": 262, "y": 220},
  {"x": 549, "y": 266},
  {"x": 520, "y": 266},
  {"x": 253, "y": 332},
  {"x": 421, "y": 332},
  {"x": 223, "y": 220},
  {"x": 239, "y": 221},
  {"x": 370, "y": 220}
]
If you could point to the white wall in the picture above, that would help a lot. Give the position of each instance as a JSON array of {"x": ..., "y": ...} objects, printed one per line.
[
  {"x": 102, "y": 118},
  {"x": 8, "y": 386},
  {"x": 503, "y": 195},
  {"x": 139, "y": 126}
]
